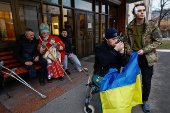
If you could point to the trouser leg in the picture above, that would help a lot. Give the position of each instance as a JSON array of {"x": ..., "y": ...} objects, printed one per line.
[
  {"x": 43, "y": 63},
  {"x": 65, "y": 62},
  {"x": 147, "y": 73},
  {"x": 76, "y": 61},
  {"x": 31, "y": 70}
]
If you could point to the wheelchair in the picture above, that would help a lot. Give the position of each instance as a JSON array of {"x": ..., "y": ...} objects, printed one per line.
[{"x": 90, "y": 91}]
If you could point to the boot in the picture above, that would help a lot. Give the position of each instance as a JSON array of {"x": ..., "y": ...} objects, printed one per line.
[
  {"x": 67, "y": 72},
  {"x": 49, "y": 80},
  {"x": 42, "y": 82},
  {"x": 61, "y": 78}
]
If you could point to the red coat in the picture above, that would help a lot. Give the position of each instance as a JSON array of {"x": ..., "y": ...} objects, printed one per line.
[{"x": 57, "y": 41}]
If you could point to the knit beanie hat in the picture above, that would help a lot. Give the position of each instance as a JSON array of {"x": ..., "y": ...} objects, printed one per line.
[
  {"x": 44, "y": 28},
  {"x": 111, "y": 32}
]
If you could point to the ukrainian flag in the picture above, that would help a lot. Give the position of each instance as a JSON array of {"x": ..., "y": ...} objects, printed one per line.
[{"x": 119, "y": 92}]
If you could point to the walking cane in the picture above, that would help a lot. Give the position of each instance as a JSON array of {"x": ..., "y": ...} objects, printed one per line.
[{"x": 55, "y": 59}]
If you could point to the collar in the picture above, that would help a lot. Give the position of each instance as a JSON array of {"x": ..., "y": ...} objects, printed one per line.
[{"x": 133, "y": 22}]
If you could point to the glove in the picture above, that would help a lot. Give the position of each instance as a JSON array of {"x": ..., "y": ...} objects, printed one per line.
[
  {"x": 55, "y": 45},
  {"x": 43, "y": 44}
]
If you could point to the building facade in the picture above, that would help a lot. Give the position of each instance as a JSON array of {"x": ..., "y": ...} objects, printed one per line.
[{"x": 86, "y": 21}]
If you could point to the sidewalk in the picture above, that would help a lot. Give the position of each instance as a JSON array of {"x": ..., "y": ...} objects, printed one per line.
[
  {"x": 25, "y": 100},
  {"x": 67, "y": 97}
]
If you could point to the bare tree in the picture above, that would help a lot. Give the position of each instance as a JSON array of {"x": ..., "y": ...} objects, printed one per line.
[{"x": 164, "y": 10}]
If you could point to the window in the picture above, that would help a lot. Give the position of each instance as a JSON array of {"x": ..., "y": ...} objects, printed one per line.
[
  {"x": 97, "y": 6},
  {"x": 103, "y": 8},
  {"x": 28, "y": 19},
  {"x": 67, "y": 3},
  {"x": 51, "y": 16},
  {"x": 84, "y": 4},
  {"x": 51, "y": 1},
  {"x": 97, "y": 28},
  {"x": 103, "y": 26},
  {"x": 68, "y": 22},
  {"x": 6, "y": 23}
]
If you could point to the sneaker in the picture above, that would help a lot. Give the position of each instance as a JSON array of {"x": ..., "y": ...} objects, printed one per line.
[
  {"x": 146, "y": 108},
  {"x": 41, "y": 81},
  {"x": 67, "y": 72},
  {"x": 61, "y": 78},
  {"x": 49, "y": 80},
  {"x": 85, "y": 69}
]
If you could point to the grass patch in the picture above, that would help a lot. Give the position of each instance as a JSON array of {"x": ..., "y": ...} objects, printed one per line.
[{"x": 165, "y": 44}]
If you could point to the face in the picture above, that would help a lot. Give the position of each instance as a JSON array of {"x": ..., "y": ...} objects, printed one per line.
[
  {"x": 45, "y": 34},
  {"x": 30, "y": 35},
  {"x": 112, "y": 41},
  {"x": 64, "y": 33},
  {"x": 141, "y": 12}
]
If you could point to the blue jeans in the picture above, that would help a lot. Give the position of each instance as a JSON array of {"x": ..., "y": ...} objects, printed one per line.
[
  {"x": 74, "y": 59},
  {"x": 31, "y": 70}
]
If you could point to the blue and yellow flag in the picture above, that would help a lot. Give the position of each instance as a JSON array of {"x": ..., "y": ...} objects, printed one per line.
[{"x": 119, "y": 92}]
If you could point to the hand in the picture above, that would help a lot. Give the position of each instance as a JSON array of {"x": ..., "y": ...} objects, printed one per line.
[
  {"x": 43, "y": 44},
  {"x": 121, "y": 51},
  {"x": 70, "y": 55},
  {"x": 55, "y": 45},
  {"x": 119, "y": 46},
  {"x": 28, "y": 63},
  {"x": 140, "y": 52},
  {"x": 36, "y": 58}
]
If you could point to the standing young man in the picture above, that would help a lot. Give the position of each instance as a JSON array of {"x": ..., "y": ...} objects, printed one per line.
[{"x": 144, "y": 37}]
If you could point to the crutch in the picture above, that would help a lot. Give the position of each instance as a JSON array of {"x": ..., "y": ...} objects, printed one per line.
[
  {"x": 55, "y": 59},
  {"x": 17, "y": 77}
]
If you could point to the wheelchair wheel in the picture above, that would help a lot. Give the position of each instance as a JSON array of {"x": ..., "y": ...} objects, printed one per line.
[{"x": 90, "y": 109}]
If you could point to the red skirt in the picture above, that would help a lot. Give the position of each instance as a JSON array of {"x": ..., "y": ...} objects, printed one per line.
[{"x": 54, "y": 69}]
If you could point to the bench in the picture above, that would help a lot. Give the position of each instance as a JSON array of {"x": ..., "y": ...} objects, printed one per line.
[{"x": 10, "y": 62}]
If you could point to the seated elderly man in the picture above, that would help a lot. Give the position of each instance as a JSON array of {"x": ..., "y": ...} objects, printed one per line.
[
  {"x": 68, "y": 53},
  {"x": 25, "y": 51},
  {"x": 56, "y": 54}
]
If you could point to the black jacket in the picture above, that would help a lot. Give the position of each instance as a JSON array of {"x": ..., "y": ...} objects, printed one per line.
[
  {"x": 66, "y": 41},
  {"x": 25, "y": 50},
  {"x": 107, "y": 57}
]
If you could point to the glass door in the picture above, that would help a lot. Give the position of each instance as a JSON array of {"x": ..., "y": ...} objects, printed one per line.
[
  {"x": 84, "y": 33},
  {"x": 80, "y": 33}
]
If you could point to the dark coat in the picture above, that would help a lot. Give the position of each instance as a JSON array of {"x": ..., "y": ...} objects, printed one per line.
[
  {"x": 66, "y": 41},
  {"x": 107, "y": 57},
  {"x": 25, "y": 50}
]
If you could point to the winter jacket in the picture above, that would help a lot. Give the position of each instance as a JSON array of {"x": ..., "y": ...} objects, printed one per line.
[
  {"x": 66, "y": 41},
  {"x": 107, "y": 57},
  {"x": 25, "y": 50},
  {"x": 151, "y": 39}
]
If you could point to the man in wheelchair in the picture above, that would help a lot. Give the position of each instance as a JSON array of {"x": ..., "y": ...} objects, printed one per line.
[{"x": 109, "y": 54}]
